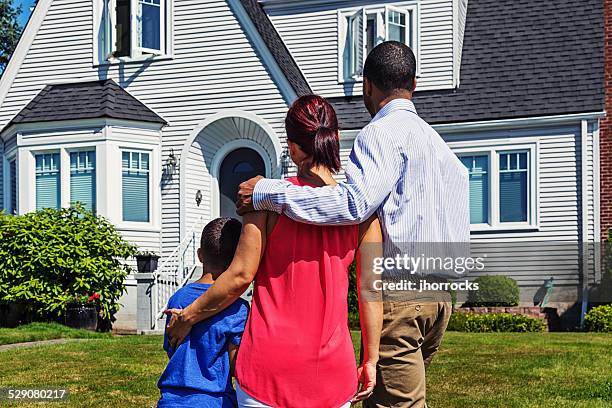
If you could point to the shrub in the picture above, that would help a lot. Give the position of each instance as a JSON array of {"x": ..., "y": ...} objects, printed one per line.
[
  {"x": 599, "y": 319},
  {"x": 494, "y": 291},
  {"x": 494, "y": 322},
  {"x": 50, "y": 257}
]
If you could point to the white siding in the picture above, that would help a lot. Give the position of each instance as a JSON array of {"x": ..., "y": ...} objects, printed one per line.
[
  {"x": 311, "y": 34},
  {"x": 214, "y": 68}
]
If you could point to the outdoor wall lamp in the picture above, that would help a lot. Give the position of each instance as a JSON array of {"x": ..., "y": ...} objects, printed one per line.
[
  {"x": 198, "y": 197},
  {"x": 171, "y": 166}
]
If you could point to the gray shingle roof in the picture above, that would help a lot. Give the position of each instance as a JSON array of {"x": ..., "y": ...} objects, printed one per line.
[
  {"x": 85, "y": 100},
  {"x": 521, "y": 58},
  {"x": 277, "y": 47}
]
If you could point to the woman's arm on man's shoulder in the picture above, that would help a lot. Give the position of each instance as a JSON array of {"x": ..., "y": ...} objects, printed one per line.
[{"x": 230, "y": 284}]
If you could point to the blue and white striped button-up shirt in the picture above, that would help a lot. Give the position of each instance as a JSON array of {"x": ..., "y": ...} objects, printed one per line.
[{"x": 400, "y": 167}]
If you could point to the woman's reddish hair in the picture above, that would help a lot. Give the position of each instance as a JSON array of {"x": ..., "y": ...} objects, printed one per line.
[{"x": 312, "y": 124}]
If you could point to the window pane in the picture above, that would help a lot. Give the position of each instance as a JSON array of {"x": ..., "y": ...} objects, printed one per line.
[
  {"x": 478, "y": 167},
  {"x": 122, "y": 30},
  {"x": 150, "y": 20},
  {"x": 83, "y": 179},
  {"x": 13, "y": 181},
  {"x": 513, "y": 196},
  {"x": 371, "y": 33},
  {"x": 135, "y": 188},
  {"x": 396, "y": 26},
  {"x": 47, "y": 181}
]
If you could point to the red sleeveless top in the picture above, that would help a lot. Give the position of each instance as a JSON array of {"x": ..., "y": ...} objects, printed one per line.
[{"x": 296, "y": 350}]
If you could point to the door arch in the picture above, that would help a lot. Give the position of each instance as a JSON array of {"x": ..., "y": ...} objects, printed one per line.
[{"x": 237, "y": 166}]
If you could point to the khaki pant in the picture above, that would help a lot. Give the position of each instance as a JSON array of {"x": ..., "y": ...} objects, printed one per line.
[{"x": 412, "y": 332}]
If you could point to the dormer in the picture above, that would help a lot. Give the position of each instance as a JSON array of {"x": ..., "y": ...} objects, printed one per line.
[{"x": 331, "y": 39}]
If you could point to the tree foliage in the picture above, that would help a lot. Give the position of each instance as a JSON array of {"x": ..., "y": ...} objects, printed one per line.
[{"x": 9, "y": 30}]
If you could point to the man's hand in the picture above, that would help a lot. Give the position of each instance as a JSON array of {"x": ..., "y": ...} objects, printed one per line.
[
  {"x": 245, "y": 196},
  {"x": 177, "y": 329},
  {"x": 366, "y": 376}
]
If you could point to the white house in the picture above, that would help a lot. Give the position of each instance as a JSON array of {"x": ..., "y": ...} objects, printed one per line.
[{"x": 152, "y": 111}]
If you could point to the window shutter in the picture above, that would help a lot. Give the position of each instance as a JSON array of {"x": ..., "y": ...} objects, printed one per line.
[
  {"x": 47, "y": 181},
  {"x": 135, "y": 188},
  {"x": 357, "y": 24},
  {"x": 83, "y": 179}
]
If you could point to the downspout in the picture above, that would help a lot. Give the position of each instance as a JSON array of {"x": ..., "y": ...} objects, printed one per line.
[{"x": 584, "y": 224}]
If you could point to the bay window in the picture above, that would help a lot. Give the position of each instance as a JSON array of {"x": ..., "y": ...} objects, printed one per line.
[
  {"x": 502, "y": 184},
  {"x": 13, "y": 187},
  {"x": 363, "y": 29}
]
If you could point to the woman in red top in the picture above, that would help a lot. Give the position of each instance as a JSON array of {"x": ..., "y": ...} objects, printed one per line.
[{"x": 296, "y": 350}]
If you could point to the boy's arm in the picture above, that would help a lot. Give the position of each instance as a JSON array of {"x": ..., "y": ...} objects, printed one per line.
[
  {"x": 230, "y": 285},
  {"x": 233, "y": 353},
  {"x": 372, "y": 172}
]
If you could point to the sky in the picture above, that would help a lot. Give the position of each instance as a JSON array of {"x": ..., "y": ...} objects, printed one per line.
[{"x": 25, "y": 12}]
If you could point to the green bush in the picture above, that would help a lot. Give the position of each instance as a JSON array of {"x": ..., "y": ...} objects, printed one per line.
[
  {"x": 50, "y": 257},
  {"x": 599, "y": 319},
  {"x": 494, "y": 322},
  {"x": 494, "y": 291}
]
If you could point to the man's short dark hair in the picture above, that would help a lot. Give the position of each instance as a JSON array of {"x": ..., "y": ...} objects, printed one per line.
[
  {"x": 219, "y": 241},
  {"x": 391, "y": 66}
]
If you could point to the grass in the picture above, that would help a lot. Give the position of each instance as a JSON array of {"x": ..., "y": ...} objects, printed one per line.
[
  {"x": 44, "y": 331},
  {"x": 471, "y": 370}
]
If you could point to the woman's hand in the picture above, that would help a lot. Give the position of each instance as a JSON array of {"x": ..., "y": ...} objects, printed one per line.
[
  {"x": 366, "y": 377},
  {"x": 178, "y": 328}
]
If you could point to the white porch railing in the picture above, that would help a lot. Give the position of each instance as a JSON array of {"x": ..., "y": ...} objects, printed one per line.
[{"x": 174, "y": 272}]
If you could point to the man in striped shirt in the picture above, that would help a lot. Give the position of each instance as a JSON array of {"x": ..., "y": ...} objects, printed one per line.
[{"x": 402, "y": 169}]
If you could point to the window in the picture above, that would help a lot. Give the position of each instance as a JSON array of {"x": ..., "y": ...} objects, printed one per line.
[
  {"x": 13, "y": 188},
  {"x": 83, "y": 179},
  {"x": 365, "y": 28},
  {"x": 479, "y": 187},
  {"x": 502, "y": 187},
  {"x": 47, "y": 180},
  {"x": 135, "y": 186},
  {"x": 134, "y": 28}
]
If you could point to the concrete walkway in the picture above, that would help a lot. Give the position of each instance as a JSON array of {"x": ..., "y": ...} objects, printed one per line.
[{"x": 37, "y": 343}]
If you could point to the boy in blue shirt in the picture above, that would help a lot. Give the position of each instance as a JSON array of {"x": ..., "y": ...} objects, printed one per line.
[{"x": 199, "y": 371}]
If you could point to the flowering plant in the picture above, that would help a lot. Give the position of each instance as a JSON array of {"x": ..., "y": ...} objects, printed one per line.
[{"x": 86, "y": 299}]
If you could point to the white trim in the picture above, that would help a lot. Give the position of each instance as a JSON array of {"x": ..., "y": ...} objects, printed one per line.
[
  {"x": 23, "y": 46},
  {"x": 231, "y": 113},
  {"x": 285, "y": 88},
  {"x": 217, "y": 160},
  {"x": 512, "y": 123}
]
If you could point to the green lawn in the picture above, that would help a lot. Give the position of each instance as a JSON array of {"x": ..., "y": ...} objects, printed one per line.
[
  {"x": 44, "y": 331},
  {"x": 472, "y": 370}
]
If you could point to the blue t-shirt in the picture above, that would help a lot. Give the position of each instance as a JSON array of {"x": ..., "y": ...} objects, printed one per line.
[{"x": 198, "y": 373}]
